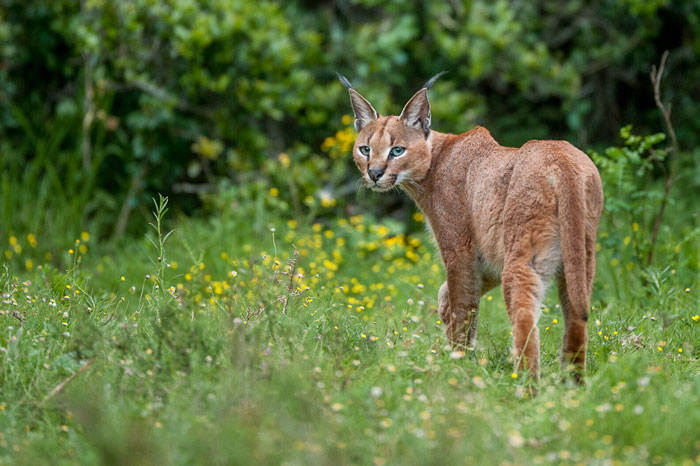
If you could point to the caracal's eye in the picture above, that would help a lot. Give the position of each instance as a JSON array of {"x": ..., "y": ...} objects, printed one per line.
[
  {"x": 397, "y": 151},
  {"x": 364, "y": 150}
]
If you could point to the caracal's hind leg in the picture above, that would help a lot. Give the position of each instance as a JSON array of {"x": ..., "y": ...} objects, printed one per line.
[
  {"x": 575, "y": 334},
  {"x": 576, "y": 320},
  {"x": 526, "y": 274},
  {"x": 522, "y": 291}
]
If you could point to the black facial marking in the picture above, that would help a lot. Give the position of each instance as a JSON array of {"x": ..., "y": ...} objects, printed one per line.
[{"x": 381, "y": 130}]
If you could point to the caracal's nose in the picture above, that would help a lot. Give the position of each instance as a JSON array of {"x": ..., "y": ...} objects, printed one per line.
[{"x": 375, "y": 174}]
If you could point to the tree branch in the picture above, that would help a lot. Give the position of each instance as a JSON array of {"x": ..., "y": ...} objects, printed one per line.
[{"x": 656, "y": 75}]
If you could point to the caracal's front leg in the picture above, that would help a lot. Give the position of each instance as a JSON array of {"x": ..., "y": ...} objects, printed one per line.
[{"x": 458, "y": 298}]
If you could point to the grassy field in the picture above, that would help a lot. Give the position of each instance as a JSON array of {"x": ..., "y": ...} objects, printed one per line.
[{"x": 222, "y": 345}]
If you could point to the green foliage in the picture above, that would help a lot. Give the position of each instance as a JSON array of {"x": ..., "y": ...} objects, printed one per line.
[
  {"x": 126, "y": 99},
  {"x": 159, "y": 87},
  {"x": 626, "y": 169},
  {"x": 53, "y": 194},
  {"x": 633, "y": 199}
]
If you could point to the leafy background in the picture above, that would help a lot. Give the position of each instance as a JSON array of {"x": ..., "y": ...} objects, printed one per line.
[{"x": 106, "y": 103}]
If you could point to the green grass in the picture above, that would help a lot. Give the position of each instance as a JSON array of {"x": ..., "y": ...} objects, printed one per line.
[{"x": 204, "y": 354}]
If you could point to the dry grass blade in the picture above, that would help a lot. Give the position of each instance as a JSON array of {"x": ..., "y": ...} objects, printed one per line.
[{"x": 68, "y": 380}]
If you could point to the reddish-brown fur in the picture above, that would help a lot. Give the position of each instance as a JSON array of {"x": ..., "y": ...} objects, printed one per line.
[{"x": 516, "y": 216}]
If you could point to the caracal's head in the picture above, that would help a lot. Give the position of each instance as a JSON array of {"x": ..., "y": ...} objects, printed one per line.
[{"x": 392, "y": 150}]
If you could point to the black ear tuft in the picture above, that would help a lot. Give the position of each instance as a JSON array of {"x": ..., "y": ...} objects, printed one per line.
[
  {"x": 430, "y": 82},
  {"x": 363, "y": 110},
  {"x": 344, "y": 81}
]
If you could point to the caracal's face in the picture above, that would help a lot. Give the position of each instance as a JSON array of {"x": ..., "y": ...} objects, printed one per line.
[{"x": 389, "y": 153}]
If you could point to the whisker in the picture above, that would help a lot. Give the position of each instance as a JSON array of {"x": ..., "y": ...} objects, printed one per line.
[
  {"x": 359, "y": 184},
  {"x": 410, "y": 187}
]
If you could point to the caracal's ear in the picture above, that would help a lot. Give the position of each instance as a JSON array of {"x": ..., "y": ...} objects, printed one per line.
[
  {"x": 416, "y": 113},
  {"x": 364, "y": 112}
]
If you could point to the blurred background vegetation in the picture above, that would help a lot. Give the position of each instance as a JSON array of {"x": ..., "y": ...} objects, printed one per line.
[
  {"x": 234, "y": 104},
  {"x": 232, "y": 109}
]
